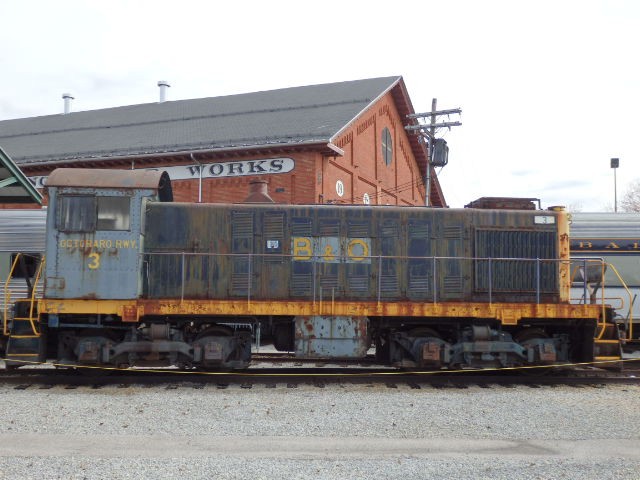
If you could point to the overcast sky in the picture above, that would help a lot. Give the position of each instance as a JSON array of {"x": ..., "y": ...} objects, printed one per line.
[{"x": 550, "y": 90}]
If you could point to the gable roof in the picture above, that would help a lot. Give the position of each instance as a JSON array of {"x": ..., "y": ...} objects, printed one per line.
[
  {"x": 310, "y": 116},
  {"x": 290, "y": 117},
  {"x": 14, "y": 186}
]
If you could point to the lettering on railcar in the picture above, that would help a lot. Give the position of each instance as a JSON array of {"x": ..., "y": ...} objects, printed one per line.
[
  {"x": 607, "y": 245},
  {"x": 331, "y": 249},
  {"x": 81, "y": 243}
]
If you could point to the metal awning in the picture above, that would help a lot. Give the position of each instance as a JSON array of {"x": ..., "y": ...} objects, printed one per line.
[{"x": 15, "y": 187}]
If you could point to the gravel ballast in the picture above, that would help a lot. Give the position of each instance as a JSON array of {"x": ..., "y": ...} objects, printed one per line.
[{"x": 340, "y": 431}]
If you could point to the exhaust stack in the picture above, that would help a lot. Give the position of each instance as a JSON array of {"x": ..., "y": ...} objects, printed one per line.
[
  {"x": 67, "y": 97},
  {"x": 163, "y": 84}
]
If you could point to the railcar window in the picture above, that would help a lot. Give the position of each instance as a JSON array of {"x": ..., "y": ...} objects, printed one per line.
[
  {"x": 28, "y": 265},
  {"x": 77, "y": 213},
  {"x": 113, "y": 213}
]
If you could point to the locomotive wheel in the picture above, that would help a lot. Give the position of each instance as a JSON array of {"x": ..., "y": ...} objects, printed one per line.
[
  {"x": 215, "y": 331},
  {"x": 523, "y": 337},
  {"x": 409, "y": 360},
  {"x": 424, "y": 332}
]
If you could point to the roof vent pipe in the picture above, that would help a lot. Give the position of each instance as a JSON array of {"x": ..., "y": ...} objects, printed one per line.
[
  {"x": 163, "y": 84},
  {"x": 67, "y": 97}
]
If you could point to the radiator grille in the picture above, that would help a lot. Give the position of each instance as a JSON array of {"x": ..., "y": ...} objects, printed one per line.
[{"x": 516, "y": 275}]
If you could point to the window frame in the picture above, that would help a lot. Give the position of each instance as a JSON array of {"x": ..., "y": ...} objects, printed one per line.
[
  {"x": 387, "y": 146},
  {"x": 95, "y": 218}
]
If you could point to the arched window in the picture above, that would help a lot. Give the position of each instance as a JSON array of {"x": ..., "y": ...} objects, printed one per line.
[{"x": 387, "y": 147}]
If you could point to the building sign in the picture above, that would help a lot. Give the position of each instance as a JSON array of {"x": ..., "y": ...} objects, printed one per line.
[
  {"x": 266, "y": 166},
  {"x": 340, "y": 188}
]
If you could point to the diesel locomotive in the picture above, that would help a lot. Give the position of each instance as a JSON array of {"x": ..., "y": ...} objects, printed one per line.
[{"x": 133, "y": 278}]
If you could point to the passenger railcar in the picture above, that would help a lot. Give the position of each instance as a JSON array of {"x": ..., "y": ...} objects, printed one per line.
[
  {"x": 133, "y": 278},
  {"x": 613, "y": 238},
  {"x": 22, "y": 232}
]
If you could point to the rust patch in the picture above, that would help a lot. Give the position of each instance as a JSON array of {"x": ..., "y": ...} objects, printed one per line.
[
  {"x": 129, "y": 313},
  {"x": 547, "y": 352},
  {"x": 431, "y": 352}
]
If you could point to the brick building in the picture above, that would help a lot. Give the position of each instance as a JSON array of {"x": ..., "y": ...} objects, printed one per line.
[{"x": 333, "y": 143}]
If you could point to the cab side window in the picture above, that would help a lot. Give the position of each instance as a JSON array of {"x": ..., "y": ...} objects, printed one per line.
[
  {"x": 76, "y": 213},
  {"x": 88, "y": 213}
]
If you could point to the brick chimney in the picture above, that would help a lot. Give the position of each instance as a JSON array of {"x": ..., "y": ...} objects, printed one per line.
[{"x": 258, "y": 192}]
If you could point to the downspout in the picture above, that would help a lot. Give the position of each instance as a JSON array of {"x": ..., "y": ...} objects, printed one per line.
[{"x": 199, "y": 177}]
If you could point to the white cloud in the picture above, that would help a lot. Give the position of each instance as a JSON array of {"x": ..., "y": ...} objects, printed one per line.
[{"x": 548, "y": 89}]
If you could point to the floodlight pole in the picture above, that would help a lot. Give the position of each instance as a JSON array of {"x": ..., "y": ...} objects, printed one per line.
[{"x": 615, "y": 163}]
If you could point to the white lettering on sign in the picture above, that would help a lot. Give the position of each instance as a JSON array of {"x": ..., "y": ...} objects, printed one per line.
[
  {"x": 544, "y": 220},
  {"x": 266, "y": 166}
]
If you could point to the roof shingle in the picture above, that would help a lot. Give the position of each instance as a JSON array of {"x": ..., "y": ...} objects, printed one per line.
[{"x": 288, "y": 116}]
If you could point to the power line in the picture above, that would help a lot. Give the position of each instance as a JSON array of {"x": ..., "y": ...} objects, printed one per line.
[{"x": 427, "y": 132}]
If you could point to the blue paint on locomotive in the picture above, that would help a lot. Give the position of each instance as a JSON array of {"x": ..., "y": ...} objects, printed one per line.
[{"x": 94, "y": 240}]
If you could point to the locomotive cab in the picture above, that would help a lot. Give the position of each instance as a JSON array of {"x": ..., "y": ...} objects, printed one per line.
[{"x": 94, "y": 234}]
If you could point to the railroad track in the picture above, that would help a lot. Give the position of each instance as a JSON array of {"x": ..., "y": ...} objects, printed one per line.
[{"x": 317, "y": 374}]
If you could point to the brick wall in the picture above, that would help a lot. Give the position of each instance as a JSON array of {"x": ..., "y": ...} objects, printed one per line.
[{"x": 362, "y": 170}]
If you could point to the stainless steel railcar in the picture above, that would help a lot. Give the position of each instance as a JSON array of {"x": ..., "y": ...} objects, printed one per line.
[
  {"x": 615, "y": 239},
  {"x": 132, "y": 278},
  {"x": 22, "y": 231}
]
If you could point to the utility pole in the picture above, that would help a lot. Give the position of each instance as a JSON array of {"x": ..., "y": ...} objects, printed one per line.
[{"x": 428, "y": 132}]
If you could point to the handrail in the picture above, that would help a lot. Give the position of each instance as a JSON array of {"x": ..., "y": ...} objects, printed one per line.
[
  {"x": 7, "y": 296},
  {"x": 534, "y": 284},
  {"x": 33, "y": 295},
  {"x": 630, "y": 317}
]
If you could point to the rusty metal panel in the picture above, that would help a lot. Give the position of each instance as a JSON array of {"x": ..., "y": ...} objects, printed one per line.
[
  {"x": 504, "y": 203},
  {"x": 107, "y": 178},
  {"x": 324, "y": 252},
  {"x": 333, "y": 337}
]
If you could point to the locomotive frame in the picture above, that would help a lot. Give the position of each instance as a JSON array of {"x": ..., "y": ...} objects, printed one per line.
[{"x": 132, "y": 278}]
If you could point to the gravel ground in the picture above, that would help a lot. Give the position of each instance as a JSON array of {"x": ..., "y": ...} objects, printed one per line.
[{"x": 528, "y": 433}]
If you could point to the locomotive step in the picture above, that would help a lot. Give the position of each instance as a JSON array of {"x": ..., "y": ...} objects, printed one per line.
[
  {"x": 22, "y": 326},
  {"x": 24, "y": 345}
]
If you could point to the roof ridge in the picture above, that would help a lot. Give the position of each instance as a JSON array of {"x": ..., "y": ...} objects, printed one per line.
[{"x": 183, "y": 118}]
